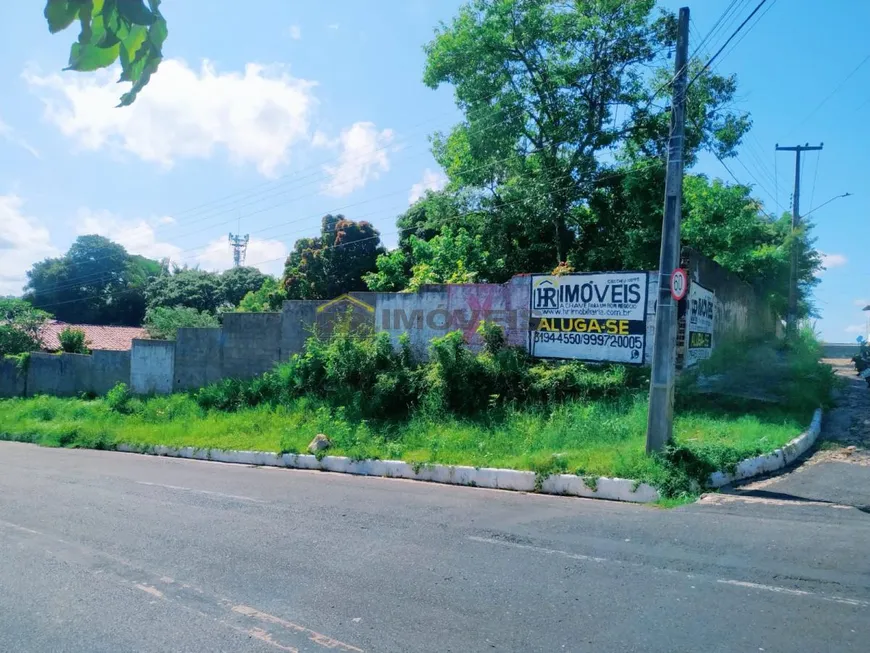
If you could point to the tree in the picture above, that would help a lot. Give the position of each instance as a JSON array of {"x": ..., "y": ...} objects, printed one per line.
[
  {"x": 190, "y": 287},
  {"x": 95, "y": 282},
  {"x": 111, "y": 30},
  {"x": 238, "y": 282},
  {"x": 447, "y": 258},
  {"x": 538, "y": 82},
  {"x": 163, "y": 322},
  {"x": 333, "y": 263},
  {"x": 269, "y": 297},
  {"x": 73, "y": 341},
  {"x": 20, "y": 326}
]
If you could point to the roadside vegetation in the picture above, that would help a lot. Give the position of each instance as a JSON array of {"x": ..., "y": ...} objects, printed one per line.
[{"x": 496, "y": 408}]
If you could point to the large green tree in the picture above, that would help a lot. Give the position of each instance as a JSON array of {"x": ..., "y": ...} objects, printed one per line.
[
  {"x": 95, "y": 282},
  {"x": 188, "y": 287},
  {"x": 539, "y": 83},
  {"x": 238, "y": 282},
  {"x": 333, "y": 263},
  {"x": 111, "y": 30}
]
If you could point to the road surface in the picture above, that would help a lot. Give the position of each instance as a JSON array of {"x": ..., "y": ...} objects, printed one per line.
[{"x": 117, "y": 552}]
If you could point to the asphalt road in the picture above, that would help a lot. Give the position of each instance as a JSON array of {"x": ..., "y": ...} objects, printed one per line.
[{"x": 117, "y": 552}]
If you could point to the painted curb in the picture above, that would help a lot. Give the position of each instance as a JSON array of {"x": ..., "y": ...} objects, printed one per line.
[
  {"x": 613, "y": 489},
  {"x": 773, "y": 461}
]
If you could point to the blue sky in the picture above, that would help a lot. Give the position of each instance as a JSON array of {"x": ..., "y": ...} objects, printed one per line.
[{"x": 306, "y": 108}]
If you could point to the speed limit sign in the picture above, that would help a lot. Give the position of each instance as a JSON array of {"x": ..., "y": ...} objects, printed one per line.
[{"x": 679, "y": 284}]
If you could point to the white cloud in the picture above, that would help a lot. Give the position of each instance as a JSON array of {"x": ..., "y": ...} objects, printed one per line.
[
  {"x": 137, "y": 236},
  {"x": 257, "y": 115},
  {"x": 431, "y": 181},
  {"x": 9, "y": 134},
  {"x": 266, "y": 255},
  {"x": 321, "y": 139},
  {"x": 833, "y": 260},
  {"x": 23, "y": 242},
  {"x": 861, "y": 303},
  {"x": 856, "y": 328},
  {"x": 332, "y": 26},
  {"x": 294, "y": 32},
  {"x": 363, "y": 158}
]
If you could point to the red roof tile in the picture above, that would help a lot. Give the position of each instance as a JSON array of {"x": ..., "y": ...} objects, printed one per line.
[{"x": 115, "y": 338}]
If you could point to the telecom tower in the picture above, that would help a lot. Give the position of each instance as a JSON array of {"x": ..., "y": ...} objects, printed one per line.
[{"x": 240, "y": 248}]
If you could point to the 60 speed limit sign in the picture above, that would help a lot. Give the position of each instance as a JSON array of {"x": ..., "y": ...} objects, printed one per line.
[{"x": 679, "y": 284}]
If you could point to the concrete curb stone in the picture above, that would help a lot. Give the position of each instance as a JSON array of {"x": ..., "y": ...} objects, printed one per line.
[{"x": 613, "y": 489}]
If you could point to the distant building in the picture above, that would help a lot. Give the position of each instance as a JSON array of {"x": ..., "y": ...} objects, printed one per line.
[{"x": 113, "y": 338}]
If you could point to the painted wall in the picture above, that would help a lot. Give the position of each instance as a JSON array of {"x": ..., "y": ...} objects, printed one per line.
[
  {"x": 152, "y": 366},
  {"x": 438, "y": 309}
]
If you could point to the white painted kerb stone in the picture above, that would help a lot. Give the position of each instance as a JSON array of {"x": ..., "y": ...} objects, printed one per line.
[
  {"x": 773, "y": 461},
  {"x": 614, "y": 489}
]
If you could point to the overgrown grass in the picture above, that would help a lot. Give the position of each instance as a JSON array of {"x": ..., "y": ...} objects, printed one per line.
[
  {"x": 561, "y": 419},
  {"x": 593, "y": 438}
]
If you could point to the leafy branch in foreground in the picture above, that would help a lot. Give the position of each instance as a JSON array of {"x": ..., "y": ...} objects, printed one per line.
[{"x": 110, "y": 30}]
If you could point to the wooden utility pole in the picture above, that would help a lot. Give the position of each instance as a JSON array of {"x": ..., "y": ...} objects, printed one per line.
[
  {"x": 660, "y": 420},
  {"x": 791, "y": 316}
]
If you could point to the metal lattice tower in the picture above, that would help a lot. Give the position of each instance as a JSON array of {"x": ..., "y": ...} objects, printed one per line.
[{"x": 240, "y": 248}]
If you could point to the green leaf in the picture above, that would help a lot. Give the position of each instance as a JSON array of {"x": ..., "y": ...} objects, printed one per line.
[
  {"x": 60, "y": 14},
  {"x": 87, "y": 57},
  {"x": 136, "y": 12}
]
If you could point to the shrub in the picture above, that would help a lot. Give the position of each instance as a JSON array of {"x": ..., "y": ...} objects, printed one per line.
[
  {"x": 118, "y": 399},
  {"x": 163, "y": 323},
  {"x": 73, "y": 341},
  {"x": 367, "y": 376}
]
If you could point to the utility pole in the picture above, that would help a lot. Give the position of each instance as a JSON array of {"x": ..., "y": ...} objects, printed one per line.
[
  {"x": 660, "y": 420},
  {"x": 791, "y": 316},
  {"x": 240, "y": 248}
]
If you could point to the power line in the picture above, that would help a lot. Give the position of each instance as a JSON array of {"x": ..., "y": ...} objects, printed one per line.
[
  {"x": 751, "y": 27},
  {"x": 727, "y": 41},
  {"x": 832, "y": 93},
  {"x": 522, "y": 200},
  {"x": 815, "y": 177}
]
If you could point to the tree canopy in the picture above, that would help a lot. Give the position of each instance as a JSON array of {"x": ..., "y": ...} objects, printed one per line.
[
  {"x": 113, "y": 30},
  {"x": 333, "y": 263},
  {"x": 559, "y": 159},
  {"x": 95, "y": 282},
  {"x": 20, "y": 325},
  {"x": 209, "y": 292}
]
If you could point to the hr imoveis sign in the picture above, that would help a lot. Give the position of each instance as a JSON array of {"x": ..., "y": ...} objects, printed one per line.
[{"x": 594, "y": 317}]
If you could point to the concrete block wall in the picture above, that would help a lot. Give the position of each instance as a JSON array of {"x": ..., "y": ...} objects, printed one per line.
[
  {"x": 198, "y": 353},
  {"x": 13, "y": 382},
  {"x": 67, "y": 375},
  {"x": 250, "y": 345},
  {"x": 740, "y": 310},
  {"x": 152, "y": 366}
]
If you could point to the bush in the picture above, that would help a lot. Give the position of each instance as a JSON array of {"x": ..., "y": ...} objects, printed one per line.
[
  {"x": 367, "y": 376},
  {"x": 118, "y": 399},
  {"x": 789, "y": 374},
  {"x": 163, "y": 323},
  {"x": 73, "y": 341}
]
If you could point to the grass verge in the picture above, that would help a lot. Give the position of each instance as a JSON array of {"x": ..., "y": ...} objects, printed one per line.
[{"x": 588, "y": 438}]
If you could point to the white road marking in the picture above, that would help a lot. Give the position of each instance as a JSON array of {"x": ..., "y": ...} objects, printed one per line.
[
  {"x": 793, "y": 592},
  {"x": 208, "y": 492},
  {"x": 737, "y": 583},
  {"x": 538, "y": 549},
  {"x": 19, "y": 528}
]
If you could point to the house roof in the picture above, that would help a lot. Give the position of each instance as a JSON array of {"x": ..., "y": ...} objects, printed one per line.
[{"x": 115, "y": 338}]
